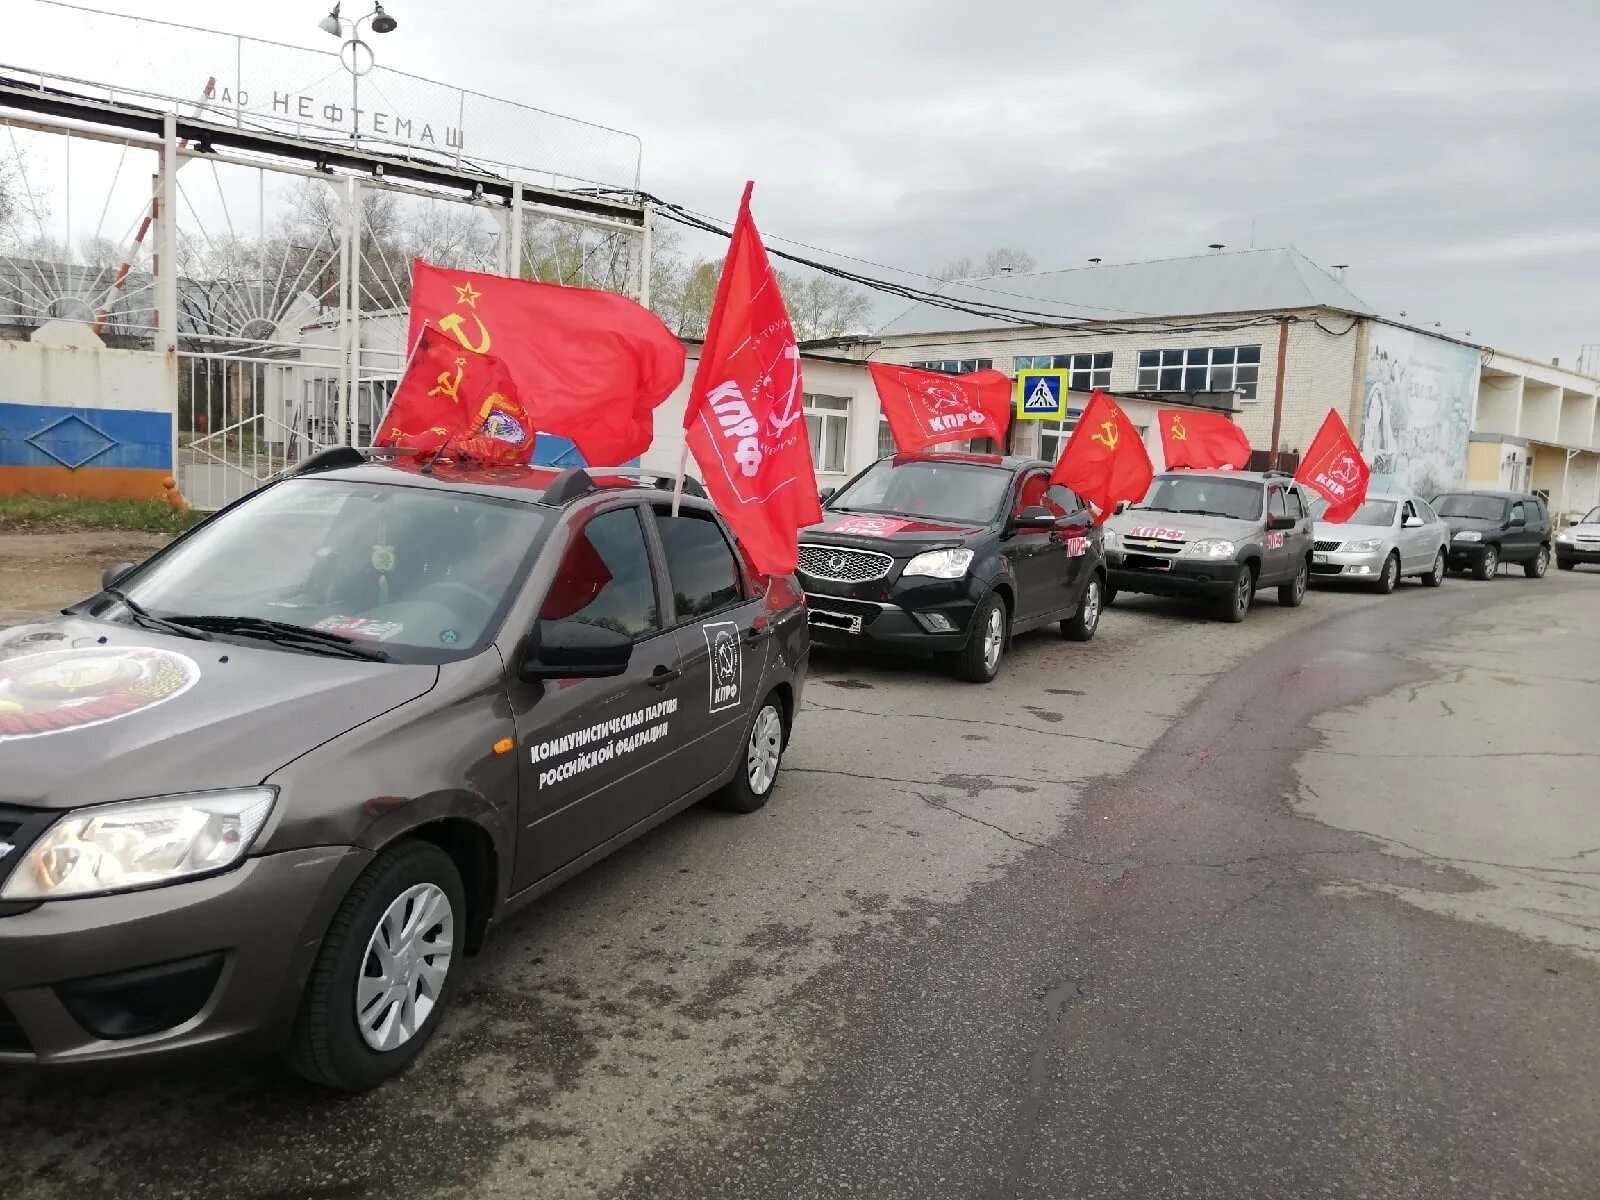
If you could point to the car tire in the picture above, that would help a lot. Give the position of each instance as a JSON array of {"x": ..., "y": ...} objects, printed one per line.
[
  {"x": 757, "y": 771},
  {"x": 979, "y": 660},
  {"x": 330, "y": 1045},
  {"x": 1540, "y": 564},
  {"x": 1233, "y": 607},
  {"x": 1488, "y": 564},
  {"x": 1565, "y": 564},
  {"x": 1293, "y": 593},
  {"x": 1080, "y": 626},
  {"x": 1435, "y": 577},
  {"x": 1391, "y": 575}
]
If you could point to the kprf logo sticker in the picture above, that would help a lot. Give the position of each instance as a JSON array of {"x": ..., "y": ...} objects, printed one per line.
[{"x": 727, "y": 664}]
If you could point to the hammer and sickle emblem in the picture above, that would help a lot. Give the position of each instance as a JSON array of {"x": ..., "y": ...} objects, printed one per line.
[
  {"x": 452, "y": 324},
  {"x": 1179, "y": 433},
  {"x": 1107, "y": 436},
  {"x": 446, "y": 386}
]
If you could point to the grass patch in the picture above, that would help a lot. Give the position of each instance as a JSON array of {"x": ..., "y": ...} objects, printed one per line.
[{"x": 61, "y": 514}]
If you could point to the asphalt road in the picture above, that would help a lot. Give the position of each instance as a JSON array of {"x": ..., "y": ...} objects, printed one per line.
[{"x": 1304, "y": 907}]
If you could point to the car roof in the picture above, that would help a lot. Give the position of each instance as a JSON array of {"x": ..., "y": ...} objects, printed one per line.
[
  {"x": 525, "y": 484},
  {"x": 1497, "y": 494},
  {"x": 1009, "y": 461},
  {"x": 1220, "y": 473}
]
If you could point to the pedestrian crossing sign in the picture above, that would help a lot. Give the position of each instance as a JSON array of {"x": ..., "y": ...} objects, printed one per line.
[{"x": 1041, "y": 395}]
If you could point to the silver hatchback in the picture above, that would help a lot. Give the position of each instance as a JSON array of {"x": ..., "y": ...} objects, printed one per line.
[{"x": 1389, "y": 537}]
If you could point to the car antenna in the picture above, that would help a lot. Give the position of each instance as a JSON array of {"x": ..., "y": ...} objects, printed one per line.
[{"x": 427, "y": 467}]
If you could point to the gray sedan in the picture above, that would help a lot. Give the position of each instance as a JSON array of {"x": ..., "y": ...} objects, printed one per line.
[{"x": 1390, "y": 536}]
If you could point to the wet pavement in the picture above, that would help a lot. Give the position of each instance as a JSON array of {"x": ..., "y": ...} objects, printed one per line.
[{"x": 1302, "y": 907}]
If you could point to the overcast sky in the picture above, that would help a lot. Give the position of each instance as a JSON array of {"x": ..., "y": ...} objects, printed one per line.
[{"x": 1448, "y": 150}]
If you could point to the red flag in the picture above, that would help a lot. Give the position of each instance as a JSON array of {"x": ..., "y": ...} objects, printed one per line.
[
  {"x": 1334, "y": 469},
  {"x": 590, "y": 366},
  {"x": 925, "y": 408},
  {"x": 1105, "y": 459},
  {"x": 1202, "y": 440},
  {"x": 582, "y": 577},
  {"x": 453, "y": 395},
  {"x": 745, "y": 421}
]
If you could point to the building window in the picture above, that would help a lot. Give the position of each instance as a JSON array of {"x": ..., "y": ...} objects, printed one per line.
[
  {"x": 1086, "y": 372},
  {"x": 1201, "y": 369},
  {"x": 954, "y": 366},
  {"x": 886, "y": 446},
  {"x": 1053, "y": 435},
  {"x": 828, "y": 423}
]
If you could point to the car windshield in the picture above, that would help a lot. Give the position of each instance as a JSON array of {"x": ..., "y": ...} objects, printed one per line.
[
  {"x": 1205, "y": 495},
  {"x": 422, "y": 574},
  {"x": 1465, "y": 504},
  {"x": 1592, "y": 517},
  {"x": 940, "y": 491},
  {"x": 1373, "y": 512}
]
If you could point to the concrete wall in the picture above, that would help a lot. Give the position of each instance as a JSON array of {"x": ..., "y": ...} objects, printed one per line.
[{"x": 78, "y": 419}]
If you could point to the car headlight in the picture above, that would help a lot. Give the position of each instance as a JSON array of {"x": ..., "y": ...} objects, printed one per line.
[
  {"x": 939, "y": 564},
  {"x": 139, "y": 843},
  {"x": 1468, "y": 535},
  {"x": 1365, "y": 546},
  {"x": 1211, "y": 548},
  {"x": 1111, "y": 536},
  {"x": 1564, "y": 536}
]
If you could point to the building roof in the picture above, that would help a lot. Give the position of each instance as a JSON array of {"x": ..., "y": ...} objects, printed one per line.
[{"x": 1224, "y": 282}]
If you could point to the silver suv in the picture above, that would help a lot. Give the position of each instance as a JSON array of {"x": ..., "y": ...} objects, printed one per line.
[{"x": 1219, "y": 535}]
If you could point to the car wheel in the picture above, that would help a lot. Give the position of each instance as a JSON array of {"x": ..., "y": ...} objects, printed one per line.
[
  {"x": 1565, "y": 564},
  {"x": 757, "y": 772},
  {"x": 1488, "y": 564},
  {"x": 385, "y": 972},
  {"x": 1291, "y": 594},
  {"x": 1233, "y": 607},
  {"x": 979, "y": 660},
  {"x": 1435, "y": 577},
  {"x": 1539, "y": 565},
  {"x": 1081, "y": 625},
  {"x": 1390, "y": 576}
]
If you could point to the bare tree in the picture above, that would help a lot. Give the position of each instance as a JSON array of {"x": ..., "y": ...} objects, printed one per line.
[
  {"x": 1001, "y": 260},
  {"x": 823, "y": 306}
]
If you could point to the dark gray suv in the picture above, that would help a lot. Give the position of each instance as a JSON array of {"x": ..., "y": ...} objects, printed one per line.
[{"x": 265, "y": 789}]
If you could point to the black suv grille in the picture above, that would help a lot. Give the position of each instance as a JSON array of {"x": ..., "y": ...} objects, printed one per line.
[{"x": 843, "y": 566}]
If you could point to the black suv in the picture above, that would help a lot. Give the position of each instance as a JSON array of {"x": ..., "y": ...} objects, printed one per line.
[
  {"x": 952, "y": 554},
  {"x": 1489, "y": 528},
  {"x": 264, "y": 790}
]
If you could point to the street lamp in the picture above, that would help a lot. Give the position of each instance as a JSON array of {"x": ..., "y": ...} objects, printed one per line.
[{"x": 355, "y": 55}]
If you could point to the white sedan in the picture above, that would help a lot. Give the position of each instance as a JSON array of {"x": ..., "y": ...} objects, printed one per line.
[
  {"x": 1388, "y": 538},
  {"x": 1580, "y": 543}
]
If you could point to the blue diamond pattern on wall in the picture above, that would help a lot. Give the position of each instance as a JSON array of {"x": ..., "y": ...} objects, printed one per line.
[{"x": 71, "y": 441}]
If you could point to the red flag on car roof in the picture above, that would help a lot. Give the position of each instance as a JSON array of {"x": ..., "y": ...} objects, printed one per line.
[
  {"x": 591, "y": 366},
  {"x": 1202, "y": 440},
  {"x": 1105, "y": 460},
  {"x": 1334, "y": 469},
  {"x": 925, "y": 408},
  {"x": 451, "y": 395},
  {"x": 745, "y": 419}
]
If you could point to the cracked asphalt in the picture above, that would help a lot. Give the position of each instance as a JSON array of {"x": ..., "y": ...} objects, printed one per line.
[{"x": 1307, "y": 907}]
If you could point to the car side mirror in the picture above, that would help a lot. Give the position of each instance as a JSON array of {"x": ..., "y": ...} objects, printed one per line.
[
  {"x": 1035, "y": 516},
  {"x": 1280, "y": 521},
  {"x": 1413, "y": 523},
  {"x": 826, "y": 494},
  {"x": 1122, "y": 507},
  {"x": 572, "y": 650},
  {"x": 114, "y": 575}
]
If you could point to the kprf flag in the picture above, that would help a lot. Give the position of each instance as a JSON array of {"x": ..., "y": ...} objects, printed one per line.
[
  {"x": 1334, "y": 469},
  {"x": 1202, "y": 440},
  {"x": 745, "y": 421},
  {"x": 1105, "y": 460},
  {"x": 450, "y": 398},
  {"x": 925, "y": 408},
  {"x": 590, "y": 366}
]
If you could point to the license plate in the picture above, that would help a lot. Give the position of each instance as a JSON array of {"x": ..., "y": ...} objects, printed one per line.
[
  {"x": 1319, "y": 558},
  {"x": 843, "y": 622}
]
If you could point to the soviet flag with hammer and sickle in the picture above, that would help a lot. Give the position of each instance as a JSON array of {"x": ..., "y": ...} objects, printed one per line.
[
  {"x": 452, "y": 400},
  {"x": 1105, "y": 460}
]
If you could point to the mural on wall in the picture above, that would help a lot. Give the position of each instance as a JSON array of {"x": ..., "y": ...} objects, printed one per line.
[{"x": 1418, "y": 394}]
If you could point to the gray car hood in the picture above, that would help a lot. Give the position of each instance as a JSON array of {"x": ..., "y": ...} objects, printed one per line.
[
  {"x": 1180, "y": 527},
  {"x": 1327, "y": 531},
  {"x": 92, "y": 711}
]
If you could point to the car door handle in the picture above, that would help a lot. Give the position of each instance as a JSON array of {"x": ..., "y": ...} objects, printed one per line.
[{"x": 661, "y": 676}]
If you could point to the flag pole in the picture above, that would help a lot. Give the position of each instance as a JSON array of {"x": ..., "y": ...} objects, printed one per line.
[{"x": 683, "y": 464}]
